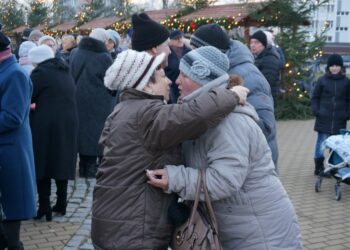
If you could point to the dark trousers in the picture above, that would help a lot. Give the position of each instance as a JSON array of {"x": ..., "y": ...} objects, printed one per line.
[
  {"x": 10, "y": 234},
  {"x": 44, "y": 193},
  {"x": 88, "y": 165}
]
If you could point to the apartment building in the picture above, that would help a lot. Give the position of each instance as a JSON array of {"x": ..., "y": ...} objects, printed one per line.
[{"x": 335, "y": 18}]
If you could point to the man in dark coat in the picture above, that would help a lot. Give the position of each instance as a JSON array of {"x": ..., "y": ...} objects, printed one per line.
[
  {"x": 88, "y": 64},
  {"x": 54, "y": 124},
  {"x": 267, "y": 61},
  {"x": 150, "y": 36},
  {"x": 17, "y": 173},
  {"x": 178, "y": 50}
]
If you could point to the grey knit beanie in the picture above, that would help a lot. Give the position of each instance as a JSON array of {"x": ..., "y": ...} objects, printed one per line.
[{"x": 204, "y": 64}]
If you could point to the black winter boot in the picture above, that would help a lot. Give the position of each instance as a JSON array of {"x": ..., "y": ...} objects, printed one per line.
[
  {"x": 82, "y": 167},
  {"x": 61, "y": 202},
  {"x": 92, "y": 170},
  {"x": 318, "y": 165},
  {"x": 44, "y": 192},
  {"x": 20, "y": 247},
  {"x": 3, "y": 242},
  {"x": 319, "y": 168}
]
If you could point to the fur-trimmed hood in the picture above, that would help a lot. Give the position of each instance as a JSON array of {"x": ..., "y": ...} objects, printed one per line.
[{"x": 88, "y": 43}]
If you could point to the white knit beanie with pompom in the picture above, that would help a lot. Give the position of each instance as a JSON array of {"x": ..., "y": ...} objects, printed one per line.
[{"x": 132, "y": 69}]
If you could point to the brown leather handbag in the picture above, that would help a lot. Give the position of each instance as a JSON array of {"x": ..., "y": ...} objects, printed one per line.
[{"x": 200, "y": 231}]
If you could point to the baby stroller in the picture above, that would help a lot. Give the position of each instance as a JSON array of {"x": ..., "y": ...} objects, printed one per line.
[{"x": 337, "y": 162}]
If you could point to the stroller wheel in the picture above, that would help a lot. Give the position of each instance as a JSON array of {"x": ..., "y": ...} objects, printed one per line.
[
  {"x": 318, "y": 184},
  {"x": 337, "y": 192}
]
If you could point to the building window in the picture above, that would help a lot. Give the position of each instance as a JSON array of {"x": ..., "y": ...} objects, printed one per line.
[
  {"x": 346, "y": 28},
  {"x": 341, "y": 28},
  {"x": 338, "y": 13},
  {"x": 337, "y": 28},
  {"x": 347, "y": 13},
  {"x": 329, "y": 38}
]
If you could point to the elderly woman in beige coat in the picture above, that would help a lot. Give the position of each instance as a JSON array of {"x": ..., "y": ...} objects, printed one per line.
[
  {"x": 143, "y": 132},
  {"x": 252, "y": 208}
]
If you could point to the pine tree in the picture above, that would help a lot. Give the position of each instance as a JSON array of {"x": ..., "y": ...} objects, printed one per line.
[
  {"x": 11, "y": 14},
  {"x": 196, "y": 4},
  {"x": 61, "y": 11},
  {"x": 292, "y": 17},
  {"x": 38, "y": 13},
  {"x": 89, "y": 11}
]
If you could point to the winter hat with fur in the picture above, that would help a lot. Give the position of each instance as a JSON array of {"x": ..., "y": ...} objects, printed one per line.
[
  {"x": 335, "y": 59},
  {"x": 114, "y": 36},
  {"x": 35, "y": 35},
  {"x": 131, "y": 69},
  {"x": 41, "y": 53},
  {"x": 147, "y": 33},
  {"x": 45, "y": 38},
  {"x": 204, "y": 64},
  {"x": 99, "y": 34},
  {"x": 211, "y": 35},
  {"x": 25, "y": 47},
  {"x": 260, "y": 36}
]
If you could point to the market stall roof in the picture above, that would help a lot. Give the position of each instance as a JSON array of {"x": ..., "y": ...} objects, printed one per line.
[
  {"x": 19, "y": 29},
  {"x": 338, "y": 48},
  {"x": 40, "y": 27},
  {"x": 159, "y": 15},
  {"x": 237, "y": 11},
  {"x": 218, "y": 11},
  {"x": 99, "y": 23},
  {"x": 64, "y": 26}
]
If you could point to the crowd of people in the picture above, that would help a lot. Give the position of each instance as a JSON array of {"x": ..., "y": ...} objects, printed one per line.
[{"x": 143, "y": 117}]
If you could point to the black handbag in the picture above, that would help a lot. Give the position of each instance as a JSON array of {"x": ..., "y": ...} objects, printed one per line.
[{"x": 200, "y": 231}]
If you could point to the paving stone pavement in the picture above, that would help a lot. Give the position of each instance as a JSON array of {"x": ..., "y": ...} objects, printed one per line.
[{"x": 324, "y": 221}]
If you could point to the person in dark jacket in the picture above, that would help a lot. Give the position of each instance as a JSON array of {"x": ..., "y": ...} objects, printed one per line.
[
  {"x": 88, "y": 64},
  {"x": 113, "y": 42},
  {"x": 54, "y": 124},
  {"x": 25, "y": 37},
  {"x": 17, "y": 172},
  {"x": 68, "y": 44},
  {"x": 178, "y": 50},
  {"x": 150, "y": 36},
  {"x": 267, "y": 61},
  {"x": 242, "y": 64},
  {"x": 144, "y": 132},
  {"x": 330, "y": 104}
]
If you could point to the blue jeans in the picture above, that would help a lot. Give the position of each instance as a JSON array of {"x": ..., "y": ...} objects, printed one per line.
[{"x": 321, "y": 137}]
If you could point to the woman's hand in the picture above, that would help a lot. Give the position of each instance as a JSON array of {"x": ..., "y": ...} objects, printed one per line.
[
  {"x": 242, "y": 93},
  {"x": 32, "y": 106},
  {"x": 158, "y": 178}
]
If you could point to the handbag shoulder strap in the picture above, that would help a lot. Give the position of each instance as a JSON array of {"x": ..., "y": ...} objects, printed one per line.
[
  {"x": 196, "y": 199},
  {"x": 207, "y": 201}
]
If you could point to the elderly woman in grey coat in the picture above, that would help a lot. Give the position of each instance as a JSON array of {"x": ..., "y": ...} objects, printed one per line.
[
  {"x": 143, "y": 132},
  {"x": 252, "y": 207}
]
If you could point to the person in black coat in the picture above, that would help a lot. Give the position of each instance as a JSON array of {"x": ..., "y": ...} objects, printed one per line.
[
  {"x": 330, "y": 104},
  {"x": 54, "y": 124},
  {"x": 267, "y": 61},
  {"x": 88, "y": 64},
  {"x": 178, "y": 50}
]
